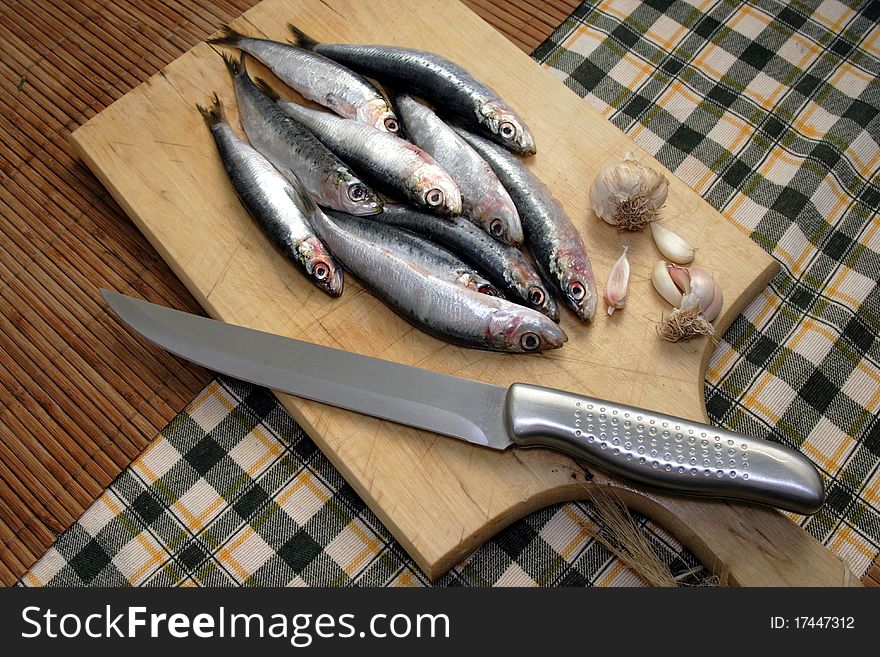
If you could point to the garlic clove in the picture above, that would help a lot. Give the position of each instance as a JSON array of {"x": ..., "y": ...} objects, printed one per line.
[
  {"x": 629, "y": 194},
  {"x": 664, "y": 284},
  {"x": 618, "y": 283},
  {"x": 681, "y": 277},
  {"x": 714, "y": 308},
  {"x": 691, "y": 303},
  {"x": 699, "y": 304},
  {"x": 702, "y": 285},
  {"x": 673, "y": 247}
]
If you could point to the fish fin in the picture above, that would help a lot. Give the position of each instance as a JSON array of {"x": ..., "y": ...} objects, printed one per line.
[
  {"x": 263, "y": 86},
  {"x": 235, "y": 66},
  {"x": 300, "y": 38},
  {"x": 297, "y": 192},
  {"x": 228, "y": 37},
  {"x": 214, "y": 113}
]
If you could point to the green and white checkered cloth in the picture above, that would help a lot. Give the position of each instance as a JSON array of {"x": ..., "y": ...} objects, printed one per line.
[{"x": 769, "y": 111}]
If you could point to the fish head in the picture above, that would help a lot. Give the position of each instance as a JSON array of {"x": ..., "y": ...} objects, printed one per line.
[
  {"x": 378, "y": 114},
  {"x": 354, "y": 196},
  {"x": 321, "y": 267},
  {"x": 497, "y": 215},
  {"x": 436, "y": 190},
  {"x": 578, "y": 286},
  {"x": 507, "y": 128},
  {"x": 539, "y": 298},
  {"x": 523, "y": 330}
]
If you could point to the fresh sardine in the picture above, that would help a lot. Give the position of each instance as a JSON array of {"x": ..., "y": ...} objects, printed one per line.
[
  {"x": 483, "y": 198},
  {"x": 438, "y": 261},
  {"x": 395, "y": 165},
  {"x": 317, "y": 78},
  {"x": 436, "y": 79},
  {"x": 295, "y": 151},
  {"x": 445, "y": 310},
  {"x": 274, "y": 203},
  {"x": 502, "y": 264},
  {"x": 550, "y": 236}
]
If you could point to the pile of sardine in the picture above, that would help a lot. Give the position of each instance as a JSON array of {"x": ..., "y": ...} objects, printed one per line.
[{"x": 446, "y": 256}]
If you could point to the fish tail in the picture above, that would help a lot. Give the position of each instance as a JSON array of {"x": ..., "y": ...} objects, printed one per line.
[
  {"x": 228, "y": 37},
  {"x": 300, "y": 38},
  {"x": 263, "y": 86},
  {"x": 212, "y": 114},
  {"x": 235, "y": 66}
]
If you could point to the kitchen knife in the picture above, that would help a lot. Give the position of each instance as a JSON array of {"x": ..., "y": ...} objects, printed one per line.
[{"x": 650, "y": 448}]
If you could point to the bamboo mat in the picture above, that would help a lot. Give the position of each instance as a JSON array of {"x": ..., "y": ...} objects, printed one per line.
[{"x": 79, "y": 396}]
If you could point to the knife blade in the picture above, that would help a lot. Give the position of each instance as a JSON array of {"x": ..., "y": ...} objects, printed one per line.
[{"x": 646, "y": 447}]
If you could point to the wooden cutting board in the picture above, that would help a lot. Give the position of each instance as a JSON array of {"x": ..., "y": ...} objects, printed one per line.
[{"x": 439, "y": 497}]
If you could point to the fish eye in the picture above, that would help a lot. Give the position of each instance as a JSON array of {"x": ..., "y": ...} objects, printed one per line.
[
  {"x": 576, "y": 290},
  {"x": 496, "y": 227},
  {"x": 357, "y": 192},
  {"x": 507, "y": 130},
  {"x": 434, "y": 197},
  {"x": 486, "y": 289},
  {"x": 321, "y": 271},
  {"x": 536, "y": 296},
  {"x": 530, "y": 341},
  {"x": 391, "y": 125}
]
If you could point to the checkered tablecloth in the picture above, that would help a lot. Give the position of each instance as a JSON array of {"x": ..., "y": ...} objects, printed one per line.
[{"x": 769, "y": 111}]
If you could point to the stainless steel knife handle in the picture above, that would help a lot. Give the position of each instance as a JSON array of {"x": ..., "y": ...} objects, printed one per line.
[{"x": 663, "y": 451}]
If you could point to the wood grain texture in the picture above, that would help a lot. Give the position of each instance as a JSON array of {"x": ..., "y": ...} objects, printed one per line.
[
  {"x": 439, "y": 497},
  {"x": 73, "y": 416}
]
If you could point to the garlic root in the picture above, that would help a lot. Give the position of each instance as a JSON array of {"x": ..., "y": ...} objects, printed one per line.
[
  {"x": 685, "y": 322},
  {"x": 696, "y": 296}
]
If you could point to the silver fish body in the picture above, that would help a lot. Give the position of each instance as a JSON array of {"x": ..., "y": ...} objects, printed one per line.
[
  {"x": 296, "y": 152},
  {"x": 281, "y": 209},
  {"x": 483, "y": 197},
  {"x": 550, "y": 235},
  {"x": 399, "y": 167},
  {"x": 441, "y": 81},
  {"x": 445, "y": 310},
  {"x": 504, "y": 265},
  {"x": 437, "y": 260},
  {"x": 318, "y": 78}
]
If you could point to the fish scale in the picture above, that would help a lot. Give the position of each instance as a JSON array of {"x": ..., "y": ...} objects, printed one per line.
[
  {"x": 437, "y": 79},
  {"x": 277, "y": 206},
  {"x": 296, "y": 152},
  {"x": 402, "y": 168},
  {"x": 317, "y": 78},
  {"x": 504, "y": 265},
  {"x": 440, "y": 308},
  {"x": 436, "y": 259},
  {"x": 550, "y": 235},
  {"x": 483, "y": 198}
]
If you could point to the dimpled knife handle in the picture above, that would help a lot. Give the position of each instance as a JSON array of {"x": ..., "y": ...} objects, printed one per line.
[{"x": 666, "y": 452}]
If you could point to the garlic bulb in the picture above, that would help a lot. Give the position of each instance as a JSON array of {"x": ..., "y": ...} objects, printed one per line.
[
  {"x": 685, "y": 322},
  {"x": 696, "y": 296},
  {"x": 673, "y": 247},
  {"x": 618, "y": 283},
  {"x": 628, "y": 195}
]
